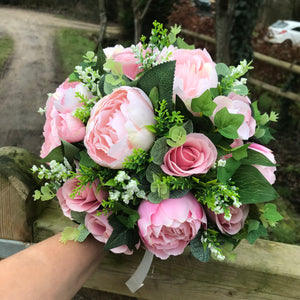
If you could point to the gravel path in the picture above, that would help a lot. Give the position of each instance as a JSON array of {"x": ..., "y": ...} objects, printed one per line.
[{"x": 30, "y": 75}]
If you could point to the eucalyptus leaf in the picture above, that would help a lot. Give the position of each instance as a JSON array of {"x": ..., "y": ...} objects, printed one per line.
[
  {"x": 198, "y": 250},
  {"x": 178, "y": 193},
  {"x": 240, "y": 89},
  {"x": 152, "y": 169},
  {"x": 222, "y": 69},
  {"x": 153, "y": 197},
  {"x": 158, "y": 150}
]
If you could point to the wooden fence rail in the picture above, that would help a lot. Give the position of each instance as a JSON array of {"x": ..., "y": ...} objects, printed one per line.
[
  {"x": 292, "y": 67},
  {"x": 265, "y": 270}
]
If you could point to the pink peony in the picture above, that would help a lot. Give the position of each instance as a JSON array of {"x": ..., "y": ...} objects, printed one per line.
[
  {"x": 236, "y": 223},
  {"x": 60, "y": 123},
  {"x": 196, "y": 156},
  {"x": 166, "y": 228},
  {"x": 87, "y": 200},
  {"x": 267, "y": 172},
  {"x": 131, "y": 67},
  {"x": 99, "y": 227},
  {"x": 117, "y": 126},
  {"x": 237, "y": 104},
  {"x": 195, "y": 73}
]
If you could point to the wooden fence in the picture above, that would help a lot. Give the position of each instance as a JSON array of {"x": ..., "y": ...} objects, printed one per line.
[
  {"x": 265, "y": 270},
  {"x": 292, "y": 67}
]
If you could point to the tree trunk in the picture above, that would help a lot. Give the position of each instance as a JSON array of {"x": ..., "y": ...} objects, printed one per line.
[
  {"x": 224, "y": 22},
  {"x": 103, "y": 21},
  {"x": 139, "y": 14}
]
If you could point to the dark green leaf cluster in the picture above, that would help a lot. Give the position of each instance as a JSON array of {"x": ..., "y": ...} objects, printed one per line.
[
  {"x": 137, "y": 161},
  {"x": 166, "y": 120},
  {"x": 159, "y": 37}
]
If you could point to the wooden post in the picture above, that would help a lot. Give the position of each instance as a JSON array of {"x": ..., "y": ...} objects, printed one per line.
[{"x": 17, "y": 209}]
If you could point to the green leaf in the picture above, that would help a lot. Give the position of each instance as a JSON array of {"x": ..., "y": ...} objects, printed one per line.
[
  {"x": 56, "y": 154},
  {"x": 228, "y": 123},
  {"x": 79, "y": 234},
  {"x": 162, "y": 77},
  {"x": 222, "y": 69},
  {"x": 214, "y": 92},
  {"x": 69, "y": 234},
  {"x": 79, "y": 217},
  {"x": 154, "y": 97},
  {"x": 85, "y": 160},
  {"x": 183, "y": 45},
  {"x": 188, "y": 126},
  {"x": 69, "y": 151},
  {"x": 101, "y": 59},
  {"x": 240, "y": 152},
  {"x": 253, "y": 225},
  {"x": 121, "y": 235},
  {"x": 198, "y": 250},
  {"x": 114, "y": 66},
  {"x": 73, "y": 77},
  {"x": 256, "y": 158},
  {"x": 253, "y": 235},
  {"x": 240, "y": 89},
  {"x": 46, "y": 193},
  {"x": 204, "y": 104},
  {"x": 132, "y": 215},
  {"x": 225, "y": 173},
  {"x": 271, "y": 214},
  {"x": 158, "y": 151},
  {"x": 253, "y": 187}
]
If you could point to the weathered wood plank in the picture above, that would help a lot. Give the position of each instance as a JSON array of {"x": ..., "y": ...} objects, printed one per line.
[
  {"x": 265, "y": 270},
  {"x": 17, "y": 209}
]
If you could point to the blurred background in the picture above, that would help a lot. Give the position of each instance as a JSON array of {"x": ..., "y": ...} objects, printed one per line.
[{"x": 42, "y": 40}]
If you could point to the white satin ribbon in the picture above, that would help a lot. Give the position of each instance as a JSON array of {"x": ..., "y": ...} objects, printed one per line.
[{"x": 136, "y": 280}]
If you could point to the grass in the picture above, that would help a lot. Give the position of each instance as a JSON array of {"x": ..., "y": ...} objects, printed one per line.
[
  {"x": 71, "y": 45},
  {"x": 6, "y": 49}
]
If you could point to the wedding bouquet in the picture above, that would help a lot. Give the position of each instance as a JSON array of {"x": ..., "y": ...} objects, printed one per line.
[{"x": 156, "y": 146}]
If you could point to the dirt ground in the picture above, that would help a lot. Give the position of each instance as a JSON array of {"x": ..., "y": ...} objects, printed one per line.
[{"x": 30, "y": 75}]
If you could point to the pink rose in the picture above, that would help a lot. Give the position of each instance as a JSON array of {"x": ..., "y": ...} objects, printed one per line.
[
  {"x": 60, "y": 123},
  {"x": 110, "y": 51},
  {"x": 166, "y": 228},
  {"x": 195, "y": 73},
  {"x": 117, "y": 126},
  {"x": 267, "y": 172},
  {"x": 237, "y": 104},
  {"x": 99, "y": 227},
  {"x": 131, "y": 67},
  {"x": 89, "y": 199},
  {"x": 196, "y": 156},
  {"x": 235, "y": 224}
]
